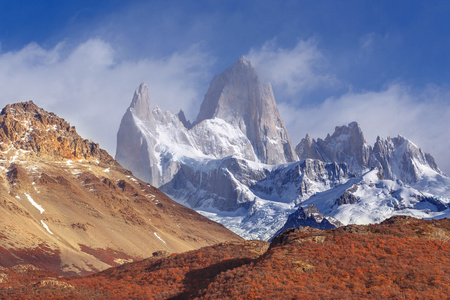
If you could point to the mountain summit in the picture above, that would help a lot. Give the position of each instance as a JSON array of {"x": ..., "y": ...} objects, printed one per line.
[
  {"x": 141, "y": 102},
  {"x": 347, "y": 144},
  {"x": 238, "y": 97}
]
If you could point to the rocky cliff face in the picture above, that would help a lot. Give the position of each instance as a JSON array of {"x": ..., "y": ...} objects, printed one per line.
[
  {"x": 238, "y": 97},
  {"x": 27, "y": 127},
  {"x": 67, "y": 206}
]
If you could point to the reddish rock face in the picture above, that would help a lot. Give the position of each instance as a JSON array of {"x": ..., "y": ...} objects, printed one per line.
[{"x": 30, "y": 128}]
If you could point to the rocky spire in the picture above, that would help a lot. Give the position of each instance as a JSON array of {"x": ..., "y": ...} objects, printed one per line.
[
  {"x": 347, "y": 144},
  {"x": 140, "y": 105},
  {"x": 238, "y": 97},
  {"x": 131, "y": 150},
  {"x": 306, "y": 148}
]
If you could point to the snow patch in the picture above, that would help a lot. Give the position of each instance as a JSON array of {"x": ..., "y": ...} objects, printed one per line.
[
  {"x": 46, "y": 227},
  {"x": 159, "y": 237},
  {"x": 38, "y": 207}
]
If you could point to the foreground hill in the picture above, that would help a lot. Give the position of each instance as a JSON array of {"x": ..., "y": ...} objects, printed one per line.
[
  {"x": 68, "y": 207},
  {"x": 401, "y": 258}
]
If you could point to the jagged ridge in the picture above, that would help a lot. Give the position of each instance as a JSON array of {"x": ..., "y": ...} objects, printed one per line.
[{"x": 28, "y": 127}]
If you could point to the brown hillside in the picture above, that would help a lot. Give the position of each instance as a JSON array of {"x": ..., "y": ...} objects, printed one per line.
[{"x": 68, "y": 207}]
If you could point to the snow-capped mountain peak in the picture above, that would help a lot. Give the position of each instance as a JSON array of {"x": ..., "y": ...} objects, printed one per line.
[
  {"x": 399, "y": 158},
  {"x": 238, "y": 97}
]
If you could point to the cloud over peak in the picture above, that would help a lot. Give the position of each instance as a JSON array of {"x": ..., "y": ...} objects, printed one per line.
[
  {"x": 292, "y": 71},
  {"x": 89, "y": 82}
]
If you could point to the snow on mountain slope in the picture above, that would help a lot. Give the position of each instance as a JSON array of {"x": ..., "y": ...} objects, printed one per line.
[
  {"x": 251, "y": 199},
  {"x": 376, "y": 200}
]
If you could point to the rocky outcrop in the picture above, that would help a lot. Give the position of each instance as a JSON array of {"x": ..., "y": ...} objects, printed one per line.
[
  {"x": 309, "y": 217},
  {"x": 348, "y": 197},
  {"x": 30, "y": 128}
]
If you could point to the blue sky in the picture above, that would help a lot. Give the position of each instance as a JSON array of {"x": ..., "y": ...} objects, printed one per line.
[{"x": 384, "y": 64}]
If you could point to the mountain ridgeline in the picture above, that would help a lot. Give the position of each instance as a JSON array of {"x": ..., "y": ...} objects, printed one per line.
[
  {"x": 236, "y": 164},
  {"x": 395, "y": 158}
]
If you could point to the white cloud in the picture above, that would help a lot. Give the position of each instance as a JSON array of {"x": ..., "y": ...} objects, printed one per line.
[
  {"x": 91, "y": 87},
  {"x": 292, "y": 71},
  {"x": 423, "y": 117}
]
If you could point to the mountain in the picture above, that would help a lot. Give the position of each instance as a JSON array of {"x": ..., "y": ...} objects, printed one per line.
[
  {"x": 238, "y": 117},
  {"x": 387, "y": 260},
  {"x": 67, "y": 206},
  {"x": 393, "y": 177},
  {"x": 395, "y": 158},
  {"x": 234, "y": 164},
  {"x": 213, "y": 167}
]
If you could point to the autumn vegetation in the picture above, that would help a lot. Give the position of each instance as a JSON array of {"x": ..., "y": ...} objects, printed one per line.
[{"x": 401, "y": 258}]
